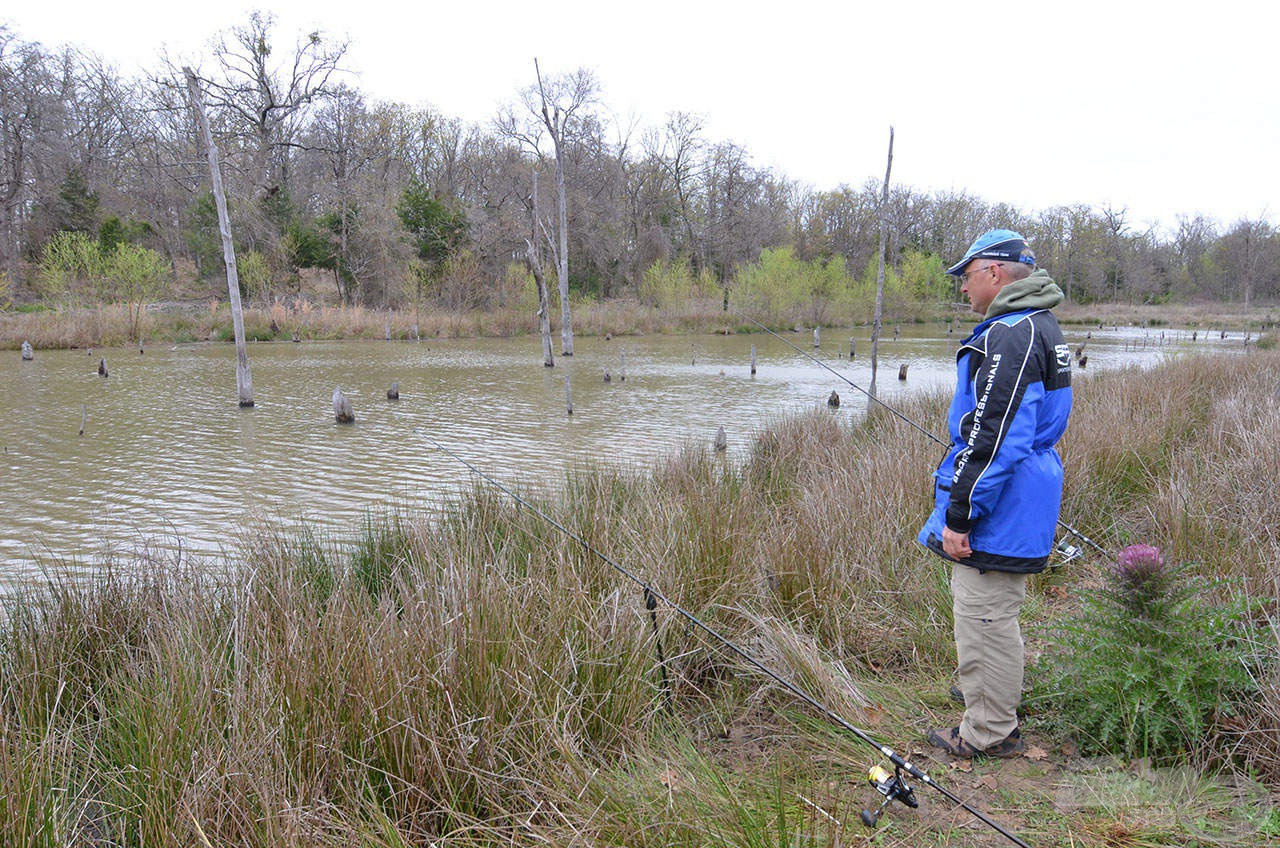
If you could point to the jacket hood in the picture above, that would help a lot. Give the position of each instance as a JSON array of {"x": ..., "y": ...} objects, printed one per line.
[{"x": 1037, "y": 291}]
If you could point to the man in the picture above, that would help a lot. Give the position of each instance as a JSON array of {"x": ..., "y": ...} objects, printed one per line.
[{"x": 999, "y": 488}]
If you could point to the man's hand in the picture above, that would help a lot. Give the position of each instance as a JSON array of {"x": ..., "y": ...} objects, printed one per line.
[{"x": 955, "y": 544}]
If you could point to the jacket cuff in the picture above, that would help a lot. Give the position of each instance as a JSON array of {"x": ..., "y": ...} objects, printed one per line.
[{"x": 958, "y": 523}]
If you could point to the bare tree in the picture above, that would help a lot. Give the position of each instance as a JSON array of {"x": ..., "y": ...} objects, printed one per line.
[
  {"x": 269, "y": 94},
  {"x": 559, "y": 105},
  {"x": 533, "y": 258},
  {"x": 679, "y": 151},
  {"x": 30, "y": 106},
  {"x": 244, "y": 382}
]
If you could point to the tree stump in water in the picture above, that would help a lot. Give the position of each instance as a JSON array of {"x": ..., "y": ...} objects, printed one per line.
[
  {"x": 342, "y": 411},
  {"x": 902, "y": 372},
  {"x": 28, "y": 353},
  {"x": 393, "y": 393},
  {"x": 833, "y": 400},
  {"x": 607, "y": 378},
  {"x": 721, "y": 441},
  {"x": 102, "y": 367}
]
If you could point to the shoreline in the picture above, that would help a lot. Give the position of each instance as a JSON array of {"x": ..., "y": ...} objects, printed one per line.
[{"x": 181, "y": 323}]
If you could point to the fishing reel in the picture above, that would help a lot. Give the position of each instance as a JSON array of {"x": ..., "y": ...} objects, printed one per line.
[
  {"x": 893, "y": 787},
  {"x": 1066, "y": 552}
]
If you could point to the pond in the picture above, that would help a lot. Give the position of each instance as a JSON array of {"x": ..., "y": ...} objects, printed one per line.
[{"x": 167, "y": 459}]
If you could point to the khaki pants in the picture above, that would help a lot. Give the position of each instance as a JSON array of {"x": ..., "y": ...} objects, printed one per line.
[{"x": 989, "y": 650}]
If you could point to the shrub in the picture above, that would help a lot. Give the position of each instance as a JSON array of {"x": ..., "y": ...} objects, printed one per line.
[
  {"x": 70, "y": 266},
  {"x": 1149, "y": 664}
]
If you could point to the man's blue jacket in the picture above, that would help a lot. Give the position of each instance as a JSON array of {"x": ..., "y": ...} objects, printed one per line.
[{"x": 1001, "y": 480}]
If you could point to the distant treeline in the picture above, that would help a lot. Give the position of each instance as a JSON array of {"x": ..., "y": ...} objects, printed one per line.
[{"x": 403, "y": 204}]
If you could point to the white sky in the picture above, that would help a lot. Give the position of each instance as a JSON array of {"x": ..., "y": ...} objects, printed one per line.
[{"x": 1165, "y": 108}]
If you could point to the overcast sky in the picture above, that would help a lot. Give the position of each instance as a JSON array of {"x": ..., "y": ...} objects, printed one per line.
[{"x": 1129, "y": 104}]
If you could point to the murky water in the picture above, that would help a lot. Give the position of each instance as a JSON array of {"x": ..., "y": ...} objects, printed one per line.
[{"x": 167, "y": 457}]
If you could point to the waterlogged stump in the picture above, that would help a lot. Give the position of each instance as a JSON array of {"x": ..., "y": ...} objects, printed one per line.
[
  {"x": 833, "y": 400},
  {"x": 607, "y": 378},
  {"x": 343, "y": 413},
  {"x": 902, "y": 372},
  {"x": 721, "y": 441},
  {"x": 28, "y": 353},
  {"x": 393, "y": 393},
  {"x": 102, "y": 367}
]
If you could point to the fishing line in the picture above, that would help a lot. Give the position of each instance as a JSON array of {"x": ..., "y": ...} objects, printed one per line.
[
  {"x": 901, "y": 792},
  {"x": 1068, "y": 554}
]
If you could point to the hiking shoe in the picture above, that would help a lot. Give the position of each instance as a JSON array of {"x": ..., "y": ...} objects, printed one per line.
[
  {"x": 949, "y": 740},
  {"x": 955, "y": 694}
]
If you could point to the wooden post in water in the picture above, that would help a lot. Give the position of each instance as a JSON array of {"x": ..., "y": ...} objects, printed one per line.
[
  {"x": 721, "y": 441},
  {"x": 342, "y": 410},
  {"x": 244, "y": 382},
  {"x": 753, "y": 360},
  {"x": 902, "y": 372},
  {"x": 622, "y": 369},
  {"x": 568, "y": 396},
  {"x": 851, "y": 344},
  {"x": 393, "y": 393},
  {"x": 83, "y": 414},
  {"x": 816, "y": 343}
]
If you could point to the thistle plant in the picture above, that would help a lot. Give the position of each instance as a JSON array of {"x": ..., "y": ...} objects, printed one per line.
[{"x": 1150, "y": 664}]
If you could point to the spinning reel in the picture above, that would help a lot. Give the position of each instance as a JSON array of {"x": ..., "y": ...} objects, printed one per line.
[
  {"x": 893, "y": 787},
  {"x": 1065, "y": 552}
]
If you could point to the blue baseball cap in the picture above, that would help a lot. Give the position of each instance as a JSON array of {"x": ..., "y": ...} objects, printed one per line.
[{"x": 1001, "y": 245}]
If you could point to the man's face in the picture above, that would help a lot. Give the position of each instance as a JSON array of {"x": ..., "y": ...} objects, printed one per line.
[{"x": 981, "y": 281}]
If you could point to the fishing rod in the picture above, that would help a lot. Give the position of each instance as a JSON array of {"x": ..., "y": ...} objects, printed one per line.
[
  {"x": 893, "y": 787},
  {"x": 1067, "y": 551}
]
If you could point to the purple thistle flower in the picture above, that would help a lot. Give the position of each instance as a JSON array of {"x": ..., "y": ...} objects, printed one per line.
[{"x": 1140, "y": 575}]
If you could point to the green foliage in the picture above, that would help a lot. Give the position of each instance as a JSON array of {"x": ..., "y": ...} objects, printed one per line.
[
  {"x": 780, "y": 284},
  {"x": 113, "y": 231},
  {"x": 202, "y": 236},
  {"x": 308, "y": 247},
  {"x": 76, "y": 207},
  {"x": 69, "y": 268},
  {"x": 1150, "y": 662},
  {"x": 670, "y": 283},
  {"x": 896, "y": 293},
  {"x": 924, "y": 276},
  {"x": 437, "y": 228},
  {"x": 254, "y": 274},
  {"x": 135, "y": 275}
]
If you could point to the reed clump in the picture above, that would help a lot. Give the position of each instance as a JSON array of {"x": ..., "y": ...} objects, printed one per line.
[{"x": 471, "y": 676}]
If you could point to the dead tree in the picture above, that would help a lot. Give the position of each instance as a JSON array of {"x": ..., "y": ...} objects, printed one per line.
[
  {"x": 533, "y": 259},
  {"x": 884, "y": 227},
  {"x": 559, "y": 112},
  {"x": 244, "y": 381}
]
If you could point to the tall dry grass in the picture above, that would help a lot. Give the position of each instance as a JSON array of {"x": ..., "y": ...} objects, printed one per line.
[{"x": 474, "y": 677}]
